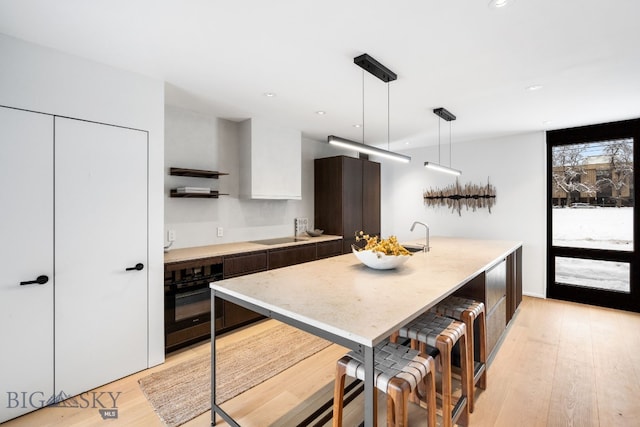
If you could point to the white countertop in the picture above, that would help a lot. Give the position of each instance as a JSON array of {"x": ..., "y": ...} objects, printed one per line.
[
  {"x": 345, "y": 298},
  {"x": 198, "y": 252}
]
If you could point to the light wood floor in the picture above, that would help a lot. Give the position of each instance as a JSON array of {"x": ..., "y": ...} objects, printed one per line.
[{"x": 560, "y": 364}]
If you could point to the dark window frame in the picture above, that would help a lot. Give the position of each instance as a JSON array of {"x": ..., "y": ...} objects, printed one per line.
[{"x": 626, "y": 301}]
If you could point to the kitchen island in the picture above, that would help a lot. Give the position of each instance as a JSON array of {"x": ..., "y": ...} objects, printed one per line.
[{"x": 343, "y": 301}]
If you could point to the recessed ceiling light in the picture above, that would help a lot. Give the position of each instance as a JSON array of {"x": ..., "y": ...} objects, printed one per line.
[
  {"x": 357, "y": 125},
  {"x": 497, "y": 4},
  {"x": 533, "y": 88},
  {"x": 269, "y": 94},
  {"x": 547, "y": 122},
  {"x": 321, "y": 113}
]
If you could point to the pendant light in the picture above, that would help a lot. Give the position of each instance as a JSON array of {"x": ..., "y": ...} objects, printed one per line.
[
  {"x": 369, "y": 64},
  {"x": 443, "y": 114}
]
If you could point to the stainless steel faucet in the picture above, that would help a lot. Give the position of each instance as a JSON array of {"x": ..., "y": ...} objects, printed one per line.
[{"x": 426, "y": 246}]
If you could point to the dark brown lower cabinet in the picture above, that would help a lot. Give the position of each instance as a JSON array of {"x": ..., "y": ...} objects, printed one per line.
[
  {"x": 514, "y": 275},
  {"x": 244, "y": 263},
  {"x": 329, "y": 249},
  {"x": 496, "y": 325},
  {"x": 187, "y": 336},
  {"x": 283, "y": 257},
  {"x": 496, "y": 303},
  {"x": 500, "y": 288},
  {"x": 236, "y": 316}
]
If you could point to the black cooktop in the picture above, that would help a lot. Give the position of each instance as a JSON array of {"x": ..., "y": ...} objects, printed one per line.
[{"x": 278, "y": 240}]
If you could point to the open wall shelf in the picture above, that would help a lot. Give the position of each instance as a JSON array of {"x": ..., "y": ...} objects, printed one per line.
[
  {"x": 196, "y": 173},
  {"x": 212, "y": 195}
]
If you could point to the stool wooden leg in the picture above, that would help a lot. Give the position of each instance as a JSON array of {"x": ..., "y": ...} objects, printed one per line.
[
  {"x": 398, "y": 403},
  {"x": 466, "y": 377},
  {"x": 338, "y": 394},
  {"x": 444, "y": 345},
  {"x": 483, "y": 348},
  {"x": 430, "y": 382},
  {"x": 338, "y": 391},
  {"x": 468, "y": 320},
  {"x": 428, "y": 392},
  {"x": 375, "y": 407}
]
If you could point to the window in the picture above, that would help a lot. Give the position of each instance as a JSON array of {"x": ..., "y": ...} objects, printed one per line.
[{"x": 592, "y": 225}]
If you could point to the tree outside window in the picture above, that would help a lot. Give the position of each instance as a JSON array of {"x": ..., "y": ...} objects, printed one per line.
[{"x": 598, "y": 172}]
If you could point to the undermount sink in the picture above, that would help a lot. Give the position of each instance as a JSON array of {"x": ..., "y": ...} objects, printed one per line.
[
  {"x": 278, "y": 240},
  {"x": 414, "y": 248}
]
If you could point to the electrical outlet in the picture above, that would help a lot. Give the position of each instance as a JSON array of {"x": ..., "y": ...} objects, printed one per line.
[
  {"x": 301, "y": 225},
  {"x": 171, "y": 235},
  {"x": 220, "y": 232}
]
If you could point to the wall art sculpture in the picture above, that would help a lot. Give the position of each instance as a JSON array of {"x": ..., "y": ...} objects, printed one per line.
[{"x": 455, "y": 196}]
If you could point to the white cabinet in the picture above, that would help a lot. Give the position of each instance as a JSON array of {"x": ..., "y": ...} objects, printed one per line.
[
  {"x": 270, "y": 161},
  {"x": 101, "y": 230},
  {"x": 26, "y": 252},
  {"x": 75, "y": 210}
]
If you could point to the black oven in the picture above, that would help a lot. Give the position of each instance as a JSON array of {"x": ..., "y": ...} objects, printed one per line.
[{"x": 187, "y": 301}]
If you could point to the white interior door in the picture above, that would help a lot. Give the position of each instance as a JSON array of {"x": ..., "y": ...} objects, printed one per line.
[
  {"x": 101, "y": 231},
  {"x": 26, "y": 252}
]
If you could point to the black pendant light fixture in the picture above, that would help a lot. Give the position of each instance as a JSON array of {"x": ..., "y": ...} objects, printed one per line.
[
  {"x": 446, "y": 115},
  {"x": 369, "y": 64}
]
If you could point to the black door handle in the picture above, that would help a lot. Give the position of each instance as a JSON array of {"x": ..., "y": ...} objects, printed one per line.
[
  {"x": 139, "y": 266},
  {"x": 41, "y": 280}
]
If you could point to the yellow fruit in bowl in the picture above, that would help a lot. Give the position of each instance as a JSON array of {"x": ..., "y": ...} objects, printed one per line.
[
  {"x": 378, "y": 260},
  {"x": 382, "y": 254},
  {"x": 389, "y": 246}
]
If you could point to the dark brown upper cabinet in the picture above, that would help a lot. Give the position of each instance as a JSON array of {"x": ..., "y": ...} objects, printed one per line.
[{"x": 347, "y": 197}]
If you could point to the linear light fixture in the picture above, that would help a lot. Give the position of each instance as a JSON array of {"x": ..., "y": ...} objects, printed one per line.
[
  {"x": 446, "y": 115},
  {"x": 443, "y": 113},
  {"x": 440, "y": 168},
  {"x": 367, "y": 149},
  {"x": 369, "y": 64}
]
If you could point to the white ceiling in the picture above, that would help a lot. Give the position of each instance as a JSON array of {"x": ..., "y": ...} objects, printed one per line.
[{"x": 220, "y": 57}]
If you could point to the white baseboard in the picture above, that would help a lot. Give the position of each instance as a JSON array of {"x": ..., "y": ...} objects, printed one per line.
[{"x": 535, "y": 295}]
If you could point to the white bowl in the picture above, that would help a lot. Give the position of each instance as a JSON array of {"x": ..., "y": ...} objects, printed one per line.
[
  {"x": 315, "y": 233},
  {"x": 378, "y": 260}
]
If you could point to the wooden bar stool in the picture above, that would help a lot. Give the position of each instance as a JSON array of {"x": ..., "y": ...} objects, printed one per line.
[
  {"x": 469, "y": 311},
  {"x": 398, "y": 372},
  {"x": 443, "y": 333}
]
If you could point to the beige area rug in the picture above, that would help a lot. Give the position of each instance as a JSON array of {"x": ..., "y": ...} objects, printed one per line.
[{"x": 182, "y": 392}]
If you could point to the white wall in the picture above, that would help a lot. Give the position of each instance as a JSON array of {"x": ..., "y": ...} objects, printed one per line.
[
  {"x": 198, "y": 141},
  {"x": 515, "y": 166},
  {"x": 36, "y": 78}
]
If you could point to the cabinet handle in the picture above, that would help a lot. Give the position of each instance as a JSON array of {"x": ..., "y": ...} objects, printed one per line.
[
  {"x": 41, "y": 280},
  {"x": 139, "y": 266}
]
